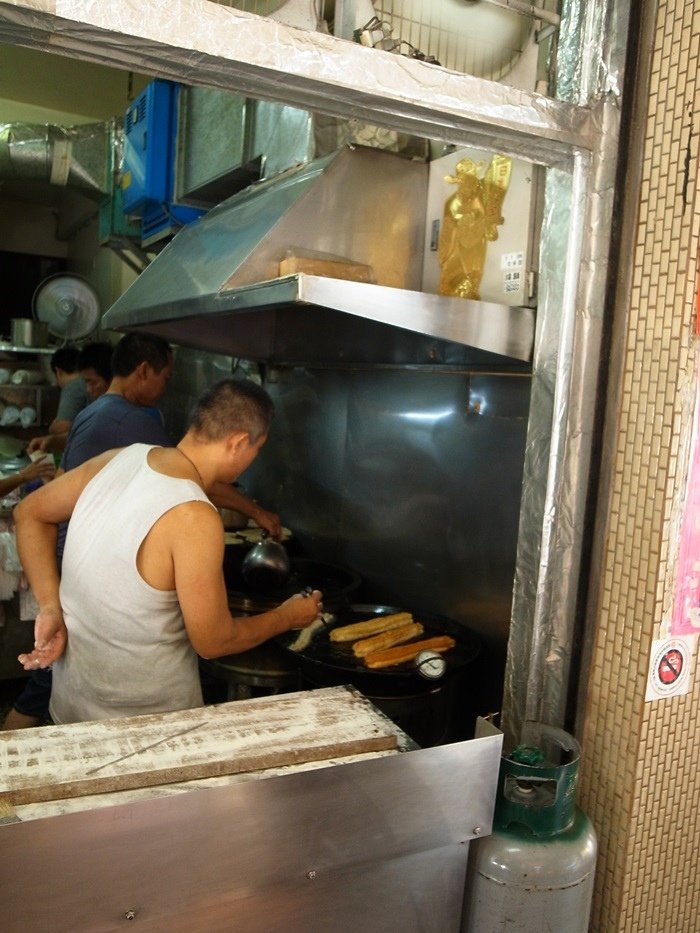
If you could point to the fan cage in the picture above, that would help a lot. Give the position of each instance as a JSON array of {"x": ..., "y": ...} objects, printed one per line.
[
  {"x": 47, "y": 307},
  {"x": 428, "y": 27}
]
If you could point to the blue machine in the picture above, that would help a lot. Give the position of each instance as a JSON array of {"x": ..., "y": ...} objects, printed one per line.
[{"x": 148, "y": 171}]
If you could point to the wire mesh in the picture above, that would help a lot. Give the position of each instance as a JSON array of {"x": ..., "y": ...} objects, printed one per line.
[
  {"x": 469, "y": 36},
  {"x": 479, "y": 39}
]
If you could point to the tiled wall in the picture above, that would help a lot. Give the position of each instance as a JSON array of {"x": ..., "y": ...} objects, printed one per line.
[{"x": 640, "y": 778}]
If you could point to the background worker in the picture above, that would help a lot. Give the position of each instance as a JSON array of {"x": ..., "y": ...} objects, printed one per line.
[
  {"x": 95, "y": 364},
  {"x": 74, "y": 397},
  {"x": 89, "y": 380},
  {"x": 139, "y": 516}
]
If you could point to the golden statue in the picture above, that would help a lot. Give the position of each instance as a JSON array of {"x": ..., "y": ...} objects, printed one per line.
[{"x": 470, "y": 219}]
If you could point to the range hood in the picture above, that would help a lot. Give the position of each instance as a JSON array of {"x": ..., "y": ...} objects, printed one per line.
[{"x": 217, "y": 285}]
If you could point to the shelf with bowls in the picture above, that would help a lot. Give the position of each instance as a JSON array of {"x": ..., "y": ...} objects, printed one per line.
[{"x": 28, "y": 397}]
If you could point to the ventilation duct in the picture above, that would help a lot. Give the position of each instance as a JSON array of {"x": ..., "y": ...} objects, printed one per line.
[{"x": 64, "y": 157}]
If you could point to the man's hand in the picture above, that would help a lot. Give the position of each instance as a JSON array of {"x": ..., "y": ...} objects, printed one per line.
[
  {"x": 226, "y": 496},
  {"x": 270, "y": 522},
  {"x": 50, "y": 637},
  {"x": 48, "y": 444},
  {"x": 38, "y": 444},
  {"x": 41, "y": 469},
  {"x": 300, "y": 610}
]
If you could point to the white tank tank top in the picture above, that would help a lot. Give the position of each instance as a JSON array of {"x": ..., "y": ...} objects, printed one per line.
[{"x": 128, "y": 652}]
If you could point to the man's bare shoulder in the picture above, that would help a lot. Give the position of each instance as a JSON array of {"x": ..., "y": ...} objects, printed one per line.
[
  {"x": 203, "y": 509},
  {"x": 198, "y": 517},
  {"x": 193, "y": 533}
]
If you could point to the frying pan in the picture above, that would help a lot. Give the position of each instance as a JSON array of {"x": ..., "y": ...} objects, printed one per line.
[{"x": 328, "y": 663}]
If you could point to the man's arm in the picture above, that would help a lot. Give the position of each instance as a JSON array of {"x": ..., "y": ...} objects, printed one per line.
[
  {"x": 36, "y": 521},
  {"x": 225, "y": 496},
  {"x": 60, "y": 426},
  {"x": 197, "y": 547}
]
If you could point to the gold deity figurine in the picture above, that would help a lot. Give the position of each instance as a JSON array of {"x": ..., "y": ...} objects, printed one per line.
[{"x": 470, "y": 219}]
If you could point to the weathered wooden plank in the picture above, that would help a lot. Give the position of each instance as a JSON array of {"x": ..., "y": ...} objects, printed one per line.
[
  {"x": 57, "y": 762},
  {"x": 38, "y": 811}
]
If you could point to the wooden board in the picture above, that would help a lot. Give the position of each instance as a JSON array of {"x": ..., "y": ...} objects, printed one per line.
[
  {"x": 25, "y": 812},
  {"x": 56, "y": 762},
  {"x": 330, "y": 268}
]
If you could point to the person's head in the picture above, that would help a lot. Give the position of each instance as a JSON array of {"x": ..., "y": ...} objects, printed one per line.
[
  {"x": 95, "y": 365},
  {"x": 235, "y": 411},
  {"x": 142, "y": 363},
  {"x": 64, "y": 363}
]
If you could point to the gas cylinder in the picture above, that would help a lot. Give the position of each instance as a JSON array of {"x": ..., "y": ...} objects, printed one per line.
[{"x": 536, "y": 871}]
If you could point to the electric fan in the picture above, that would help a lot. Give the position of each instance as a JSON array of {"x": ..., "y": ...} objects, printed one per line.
[{"x": 68, "y": 304}]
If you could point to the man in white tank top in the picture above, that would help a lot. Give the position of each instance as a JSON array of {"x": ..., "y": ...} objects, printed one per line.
[{"x": 142, "y": 591}]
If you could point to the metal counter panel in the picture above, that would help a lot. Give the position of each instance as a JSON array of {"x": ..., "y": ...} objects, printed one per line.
[{"x": 377, "y": 845}]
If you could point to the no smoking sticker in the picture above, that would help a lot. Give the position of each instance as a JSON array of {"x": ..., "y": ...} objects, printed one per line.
[{"x": 669, "y": 668}]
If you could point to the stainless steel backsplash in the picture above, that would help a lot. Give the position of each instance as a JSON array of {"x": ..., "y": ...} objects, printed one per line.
[{"x": 410, "y": 477}]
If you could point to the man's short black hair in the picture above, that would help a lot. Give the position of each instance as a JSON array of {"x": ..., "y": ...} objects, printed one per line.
[
  {"x": 233, "y": 405},
  {"x": 65, "y": 358},
  {"x": 136, "y": 348},
  {"x": 97, "y": 356}
]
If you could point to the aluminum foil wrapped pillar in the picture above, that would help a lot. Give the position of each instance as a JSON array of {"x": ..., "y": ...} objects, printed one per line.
[{"x": 575, "y": 252}]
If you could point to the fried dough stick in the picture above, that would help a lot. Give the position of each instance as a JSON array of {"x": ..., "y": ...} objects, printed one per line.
[
  {"x": 396, "y": 636},
  {"x": 370, "y": 627},
  {"x": 393, "y": 656}
]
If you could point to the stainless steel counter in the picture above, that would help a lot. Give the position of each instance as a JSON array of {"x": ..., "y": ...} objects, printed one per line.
[{"x": 376, "y": 844}]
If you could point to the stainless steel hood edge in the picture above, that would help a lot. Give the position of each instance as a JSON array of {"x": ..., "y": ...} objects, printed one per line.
[
  {"x": 507, "y": 331},
  {"x": 311, "y": 318}
]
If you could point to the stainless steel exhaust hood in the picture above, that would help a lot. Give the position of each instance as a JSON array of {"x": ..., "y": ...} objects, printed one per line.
[{"x": 217, "y": 285}]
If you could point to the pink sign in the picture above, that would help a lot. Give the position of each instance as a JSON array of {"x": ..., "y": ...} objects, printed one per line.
[{"x": 686, "y": 608}]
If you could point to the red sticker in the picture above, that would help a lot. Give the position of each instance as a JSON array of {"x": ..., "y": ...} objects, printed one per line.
[{"x": 670, "y": 666}]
